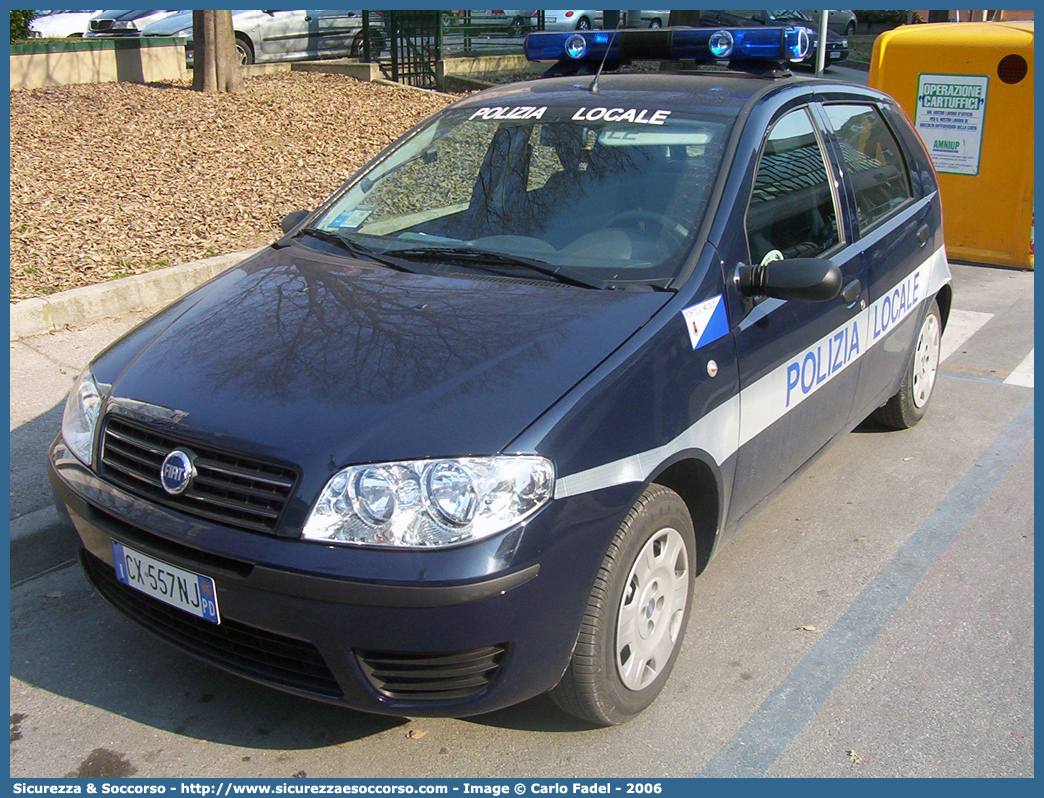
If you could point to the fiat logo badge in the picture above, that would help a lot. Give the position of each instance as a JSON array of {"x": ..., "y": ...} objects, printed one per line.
[{"x": 177, "y": 472}]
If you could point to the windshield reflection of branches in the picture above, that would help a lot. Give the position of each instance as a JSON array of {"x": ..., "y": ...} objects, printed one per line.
[
  {"x": 358, "y": 336},
  {"x": 420, "y": 186},
  {"x": 508, "y": 180}
]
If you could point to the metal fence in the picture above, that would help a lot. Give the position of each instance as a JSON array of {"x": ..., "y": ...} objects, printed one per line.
[{"x": 407, "y": 44}]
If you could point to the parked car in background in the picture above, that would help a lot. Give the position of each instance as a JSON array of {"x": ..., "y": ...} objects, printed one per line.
[
  {"x": 840, "y": 22},
  {"x": 124, "y": 23},
  {"x": 517, "y": 22},
  {"x": 585, "y": 20},
  {"x": 263, "y": 36},
  {"x": 654, "y": 19},
  {"x": 572, "y": 19},
  {"x": 837, "y": 46},
  {"x": 60, "y": 24}
]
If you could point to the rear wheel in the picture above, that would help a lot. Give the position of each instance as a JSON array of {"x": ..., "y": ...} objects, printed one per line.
[
  {"x": 636, "y": 616},
  {"x": 518, "y": 26},
  {"x": 654, "y": 24},
  {"x": 583, "y": 24},
  {"x": 910, "y": 404}
]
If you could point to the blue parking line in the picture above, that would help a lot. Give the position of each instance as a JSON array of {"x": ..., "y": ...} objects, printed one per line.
[{"x": 761, "y": 740}]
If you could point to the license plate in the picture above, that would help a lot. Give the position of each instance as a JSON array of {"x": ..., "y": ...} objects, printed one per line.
[
  {"x": 834, "y": 55},
  {"x": 175, "y": 586}
]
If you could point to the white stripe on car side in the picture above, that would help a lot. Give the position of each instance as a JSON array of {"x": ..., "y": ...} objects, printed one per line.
[{"x": 723, "y": 430}]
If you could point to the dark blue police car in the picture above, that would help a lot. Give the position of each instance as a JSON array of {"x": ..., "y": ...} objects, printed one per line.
[{"x": 469, "y": 431}]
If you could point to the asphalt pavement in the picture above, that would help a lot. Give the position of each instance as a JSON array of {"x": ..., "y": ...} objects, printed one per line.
[{"x": 875, "y": 619}]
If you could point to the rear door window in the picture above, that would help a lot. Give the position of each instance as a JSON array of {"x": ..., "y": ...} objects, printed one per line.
[{"x": 873, "y": 160}]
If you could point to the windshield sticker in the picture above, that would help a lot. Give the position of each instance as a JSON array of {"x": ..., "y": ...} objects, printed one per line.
[
  {"x": 639, "y": 116},
  {"x": 351, "y": 219},
  {"x": 502, "y": 112},
  {"x": 706, "y": 321},
  {"x": 640, "y": 137}
]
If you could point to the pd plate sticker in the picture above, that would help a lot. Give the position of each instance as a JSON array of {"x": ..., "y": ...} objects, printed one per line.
[{"x": 706, "y": 321}]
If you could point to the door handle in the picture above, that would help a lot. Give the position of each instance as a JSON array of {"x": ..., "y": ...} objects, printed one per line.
[
  {"x": 922, "y": 235},
  {"x": 850, "y": 293}
]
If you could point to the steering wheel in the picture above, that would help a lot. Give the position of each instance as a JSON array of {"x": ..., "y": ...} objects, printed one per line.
[{"x": 641, "y": 219}]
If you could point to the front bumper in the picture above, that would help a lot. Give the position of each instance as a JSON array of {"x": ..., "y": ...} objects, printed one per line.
[{"x": 452, "y": 633}]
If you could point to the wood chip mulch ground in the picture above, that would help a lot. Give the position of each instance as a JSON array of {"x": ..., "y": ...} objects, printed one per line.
[{"x": 114, "y": 179}]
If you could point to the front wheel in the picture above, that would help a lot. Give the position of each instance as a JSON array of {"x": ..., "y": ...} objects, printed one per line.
[
  {"x": 244, "y": 51},
  {"x": 635, "y": 621},
  {"x": 583, "y": 24},
  {"x": 910, "y": 404},
  {"x": 850, "y": 29},
  {"x": 655, "y": 23}
]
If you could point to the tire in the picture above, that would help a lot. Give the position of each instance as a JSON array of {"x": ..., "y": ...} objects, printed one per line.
[
  {"x": 518, "y": 26},
  {"x": 850, "y": 29},
  {"x": 376, "y": 45},
  {"x": 655, "y": 23},
  {"x": 908, "y": 406},
  {"x": 583, "y": 24},
  {"x": 245, "y": 51},
  {"x": 635, "y": 621}
]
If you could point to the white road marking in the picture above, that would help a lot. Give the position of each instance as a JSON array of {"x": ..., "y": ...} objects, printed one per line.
[
  {"x": 1023, "y": 374},
  {"x": 961, "y": 326}
]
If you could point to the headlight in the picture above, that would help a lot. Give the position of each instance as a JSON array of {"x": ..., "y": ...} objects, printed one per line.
[
  {"x": 122, "y": 24},
  {"x": 844, "y": 43},
  {"x": 425, "y": 503},
  {"x": 82, "y": 409}
]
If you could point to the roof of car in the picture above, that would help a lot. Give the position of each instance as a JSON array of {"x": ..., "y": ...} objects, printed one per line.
[{"x": 715, "y": 91}]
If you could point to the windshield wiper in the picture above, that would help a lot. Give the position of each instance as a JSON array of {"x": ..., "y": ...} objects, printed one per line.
[
  {"x": 351, "y": 245},
  {"x": 479, "y": 258}
]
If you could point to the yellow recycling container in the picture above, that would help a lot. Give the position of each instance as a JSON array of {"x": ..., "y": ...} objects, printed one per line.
[{"x": 968, "y": 87}]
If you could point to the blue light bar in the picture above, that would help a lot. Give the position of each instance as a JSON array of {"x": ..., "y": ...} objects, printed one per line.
[{"x": 670, "y": 44}]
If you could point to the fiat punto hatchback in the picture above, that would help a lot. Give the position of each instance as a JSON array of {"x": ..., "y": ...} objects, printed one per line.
[{"x": 469, "y": 430}]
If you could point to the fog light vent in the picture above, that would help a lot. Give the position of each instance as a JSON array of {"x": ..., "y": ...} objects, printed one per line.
[{"x": 407, "y": 676}]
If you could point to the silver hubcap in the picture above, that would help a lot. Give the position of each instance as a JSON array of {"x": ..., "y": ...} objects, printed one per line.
[
  {"x": 926, "y": 360},
  {"x": 651, "y": 609}
]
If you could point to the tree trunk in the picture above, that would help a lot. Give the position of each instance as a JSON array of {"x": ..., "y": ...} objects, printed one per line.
[{"x": 215, "y": 63}]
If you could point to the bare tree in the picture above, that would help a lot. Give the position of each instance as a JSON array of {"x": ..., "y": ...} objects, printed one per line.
[{"x": 215, "y": 64}]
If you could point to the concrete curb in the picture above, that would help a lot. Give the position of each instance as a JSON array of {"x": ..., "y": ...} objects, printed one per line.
[
  {"x": 78, "y": 307},
  {"x": 39, "y": 543}
]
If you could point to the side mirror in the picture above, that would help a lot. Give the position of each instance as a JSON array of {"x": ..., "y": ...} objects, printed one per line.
[
  {"x": 291, "y": 220},
  {"x": 804, "y": 279}
]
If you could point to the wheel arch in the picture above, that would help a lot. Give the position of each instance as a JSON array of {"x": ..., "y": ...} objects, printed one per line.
[
  {"x": 244, "y": 36},
  {"x": 695, "y": 478},
  {"x": 945, "y": 300}
]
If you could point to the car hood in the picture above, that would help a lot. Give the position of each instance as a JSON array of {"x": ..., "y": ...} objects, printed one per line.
[
  {"x": 170, "y": 25},
  {"x": 323, "y": 362}
]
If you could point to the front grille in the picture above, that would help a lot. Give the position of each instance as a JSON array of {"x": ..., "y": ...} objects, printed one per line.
[
  {"x": 244, "y": 649},
  {"x": 231, "y": 489},
  {"x": 431, "y": 677},
  {"x": 101, "y": 24}
]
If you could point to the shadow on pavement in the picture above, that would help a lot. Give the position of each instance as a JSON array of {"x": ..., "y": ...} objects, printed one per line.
[{"x": 66, "y": 640}]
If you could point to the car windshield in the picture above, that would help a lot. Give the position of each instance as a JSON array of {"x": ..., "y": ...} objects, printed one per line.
[
  {"x": 604, "y": 194},
  {"x": 786, "y": 15}
]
